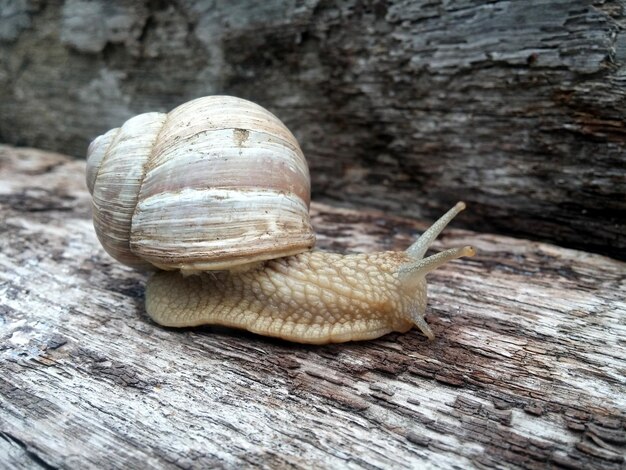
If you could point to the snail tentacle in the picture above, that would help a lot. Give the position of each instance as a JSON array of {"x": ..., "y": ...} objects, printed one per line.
[
  {"x": 424, "y": 266},
  {"x": 421, "y": 245}
]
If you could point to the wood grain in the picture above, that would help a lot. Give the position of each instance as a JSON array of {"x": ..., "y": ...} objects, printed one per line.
[{"x": 527, "y": 371}]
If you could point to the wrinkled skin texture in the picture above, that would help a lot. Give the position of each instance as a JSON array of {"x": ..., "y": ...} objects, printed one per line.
[{"x": 313, "y": 297}]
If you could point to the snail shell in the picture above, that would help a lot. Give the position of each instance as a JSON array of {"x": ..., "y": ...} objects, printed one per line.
[{"x": 216, "y": 183}]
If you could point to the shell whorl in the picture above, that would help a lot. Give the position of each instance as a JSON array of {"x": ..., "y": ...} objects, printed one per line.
[{"x": 217, "y": 182}]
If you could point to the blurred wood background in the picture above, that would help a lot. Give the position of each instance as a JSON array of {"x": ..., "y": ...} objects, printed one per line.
[
  {"x": 405, "y": 106},
  {"x": 528, "y": 369}
]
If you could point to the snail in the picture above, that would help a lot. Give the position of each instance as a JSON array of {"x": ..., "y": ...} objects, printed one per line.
[{"x": 214, "y": 195}]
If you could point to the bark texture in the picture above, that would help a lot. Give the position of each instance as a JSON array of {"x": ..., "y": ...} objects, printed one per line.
[
  {"x": 527, "y": 371},
  {"x": 405, "y": 106}
]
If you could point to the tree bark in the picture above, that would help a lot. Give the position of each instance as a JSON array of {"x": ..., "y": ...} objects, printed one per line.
[
  {"x": 404, "y": 106},
  {"x": 527, "y": 371}
]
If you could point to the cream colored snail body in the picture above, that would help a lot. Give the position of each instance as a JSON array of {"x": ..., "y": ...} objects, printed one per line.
[{"x": 215, "y": 194}]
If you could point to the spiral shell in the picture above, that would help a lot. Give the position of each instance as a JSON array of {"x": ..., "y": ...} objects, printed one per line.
[{"x": 216, "y": 183}]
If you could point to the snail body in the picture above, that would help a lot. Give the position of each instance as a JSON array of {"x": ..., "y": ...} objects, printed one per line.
[{"x": 163, "y": 184}]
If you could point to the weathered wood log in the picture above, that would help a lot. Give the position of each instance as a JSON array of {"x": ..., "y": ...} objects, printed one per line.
[
  {"x": 516, "y": 108},
  {"x": 528, "y": 369}
]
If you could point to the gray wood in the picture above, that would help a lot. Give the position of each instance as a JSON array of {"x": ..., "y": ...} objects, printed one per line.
[
  {"x": 528, "y": 369},
  {"x": 406, "y": 106}
]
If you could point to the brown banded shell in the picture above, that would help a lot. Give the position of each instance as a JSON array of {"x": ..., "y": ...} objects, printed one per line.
[{"x": 216, "y": 183}]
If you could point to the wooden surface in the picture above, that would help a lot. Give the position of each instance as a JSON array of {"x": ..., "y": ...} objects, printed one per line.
[
  {"x": 528, "y": 369},
  {"x": 405, "y": 106}
]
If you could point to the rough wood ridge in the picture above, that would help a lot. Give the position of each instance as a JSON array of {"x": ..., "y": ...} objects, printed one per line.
[
  {"x": 527, "y": 371},
  {"x": 406, "y": 106}
]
